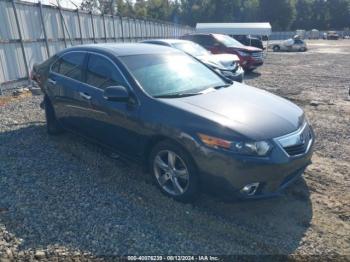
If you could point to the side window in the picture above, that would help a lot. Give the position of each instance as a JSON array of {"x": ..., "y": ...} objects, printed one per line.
[
  {"x": 102, "y": 73},
  {"x": 70, "y": 65}
]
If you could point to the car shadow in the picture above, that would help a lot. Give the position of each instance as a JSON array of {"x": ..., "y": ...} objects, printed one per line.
[
  {"x": 63, "y": 192},
  {"x": 251, "y": 75}
]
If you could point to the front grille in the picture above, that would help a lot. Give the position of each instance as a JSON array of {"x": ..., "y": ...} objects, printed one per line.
[
  {"x": 257, "y": 55},
  {"x": 296, "y": 150},
  {"x": 297, "y": 143}
]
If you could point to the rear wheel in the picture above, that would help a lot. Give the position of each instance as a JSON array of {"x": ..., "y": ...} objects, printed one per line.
[
  {"x": 52, "y": 125},
  {"x": 276, "y": 48},
  {"x": 174, "y": 172}
]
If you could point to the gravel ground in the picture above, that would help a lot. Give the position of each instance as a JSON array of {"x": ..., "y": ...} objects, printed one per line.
[{"x": 63, "y": 196}]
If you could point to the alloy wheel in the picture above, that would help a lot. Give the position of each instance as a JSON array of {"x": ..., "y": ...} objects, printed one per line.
[{"x": 171, "y": 172}]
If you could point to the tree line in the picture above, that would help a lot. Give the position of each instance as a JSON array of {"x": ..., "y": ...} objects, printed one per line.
[{"x": 282, "y": 14}]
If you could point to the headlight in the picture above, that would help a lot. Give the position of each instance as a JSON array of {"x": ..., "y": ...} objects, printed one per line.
[
  {"x": 260, "y": 148},
  {"x": 241, "y": 53}
]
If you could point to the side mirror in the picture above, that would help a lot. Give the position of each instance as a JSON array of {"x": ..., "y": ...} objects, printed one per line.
[{"x": 116, "y": 93}]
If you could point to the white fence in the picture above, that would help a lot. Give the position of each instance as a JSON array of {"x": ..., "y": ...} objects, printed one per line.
[{"x": 30, "y": 33}]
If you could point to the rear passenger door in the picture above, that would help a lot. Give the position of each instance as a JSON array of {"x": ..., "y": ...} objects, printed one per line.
[
  {"x": 112, "y": 123},
  {"x": 66, "y": 87}
]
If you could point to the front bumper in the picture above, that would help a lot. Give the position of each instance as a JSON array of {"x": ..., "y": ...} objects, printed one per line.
[
  {"x": 252, "y": 63},
  {"x": 226, "y": 173}
]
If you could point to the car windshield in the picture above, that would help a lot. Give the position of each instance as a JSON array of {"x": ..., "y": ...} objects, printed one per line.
[
  {"x": 228, "y": 41},
  {"x": 192, "y": 49},
  {"x": 171, "y": 74}
]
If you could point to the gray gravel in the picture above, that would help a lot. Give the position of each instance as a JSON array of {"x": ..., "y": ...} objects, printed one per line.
[{"x": 63, "y": 196}]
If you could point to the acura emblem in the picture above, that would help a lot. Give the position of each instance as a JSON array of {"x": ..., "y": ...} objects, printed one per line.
[{"x": 302, "y": 138}]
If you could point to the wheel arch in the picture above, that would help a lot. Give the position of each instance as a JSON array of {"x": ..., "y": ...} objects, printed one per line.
[{"x": 157, "y": 139}]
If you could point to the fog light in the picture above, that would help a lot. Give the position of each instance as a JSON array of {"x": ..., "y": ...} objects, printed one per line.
[{"x": 250, "y": 189}]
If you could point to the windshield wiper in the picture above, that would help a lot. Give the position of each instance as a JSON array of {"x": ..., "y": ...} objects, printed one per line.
[
  {"x": 215, "y": 88},
  {"x": 221, "y": 86},
  {"x": 177, "y": 95}
]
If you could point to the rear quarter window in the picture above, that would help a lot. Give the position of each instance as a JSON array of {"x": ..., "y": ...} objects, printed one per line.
[{"x": 70, "y": 65}]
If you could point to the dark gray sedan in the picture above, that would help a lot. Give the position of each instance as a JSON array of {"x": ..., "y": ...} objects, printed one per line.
[{"x": 182, "y": 120}]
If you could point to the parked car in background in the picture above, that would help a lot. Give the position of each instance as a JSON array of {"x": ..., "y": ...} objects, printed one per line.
[
  {"x": 249, "y": 40},
  {"x": 250, "y": 57},
  {"x": 301, "y": 33},
  {"x": 193, "y": 128},
  {"x": 290, "y": 45},
  {"x": 225, "y": 64},
  {"x": 332, "y": 35},
  {"x": 314, "y": 34}
]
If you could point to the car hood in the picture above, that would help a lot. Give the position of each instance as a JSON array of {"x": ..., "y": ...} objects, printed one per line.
[
  {"x": 252, "y": 112},
  {"x": 220, "y": 60}
]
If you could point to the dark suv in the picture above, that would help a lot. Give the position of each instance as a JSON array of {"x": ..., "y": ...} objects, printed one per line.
[
  {"x": 250, "y": 57},
  {"x": 249, "y": 40}
]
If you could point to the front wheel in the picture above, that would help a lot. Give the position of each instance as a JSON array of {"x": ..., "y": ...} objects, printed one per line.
[{"x": 174, "y": 172}]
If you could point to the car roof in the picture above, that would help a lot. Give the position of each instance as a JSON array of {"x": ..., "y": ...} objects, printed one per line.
[
  {"x": 168, "y": 41},
  {"x": 125, "y": 49},
  {"x": 198, "y": 34}
]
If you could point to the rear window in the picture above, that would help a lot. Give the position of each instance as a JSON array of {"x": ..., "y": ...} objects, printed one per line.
[
  {"x": 191, "y": 48},
  {"x": 228, "y": 41}
]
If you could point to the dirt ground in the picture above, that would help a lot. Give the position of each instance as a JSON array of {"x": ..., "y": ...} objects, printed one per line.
[
  {"x": 64, "y": 196},
  {"x": 319, "y": 82}
]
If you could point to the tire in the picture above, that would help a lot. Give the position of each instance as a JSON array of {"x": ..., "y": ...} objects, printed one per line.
[
  {"x": 249, "y": 70},
  {"x": 176, "y": 178},
  {"x": 52, "y": 125},
  {"x": 276, "y": 48}
]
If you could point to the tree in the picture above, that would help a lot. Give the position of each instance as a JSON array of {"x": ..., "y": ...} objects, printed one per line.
[
  {"x": 303, "y": 15},
  {"x": 140, "y": 8},
  {"x": 122, "y": 7},
  {"x": 158, "y": 9},
  {"x": 320, "y": 14},
  {"x": 90, "y": 5},
  {"x": 280, "y": 13},
  {"x": 339, "y": 14}
]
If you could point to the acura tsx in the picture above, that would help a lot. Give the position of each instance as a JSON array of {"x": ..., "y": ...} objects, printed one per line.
[{"x": 191, "y": 127}]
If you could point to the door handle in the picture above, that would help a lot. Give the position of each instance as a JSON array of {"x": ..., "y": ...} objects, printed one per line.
[
  {"x": 85, "y": 96},
  {"x": 53, "y": 82}
]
